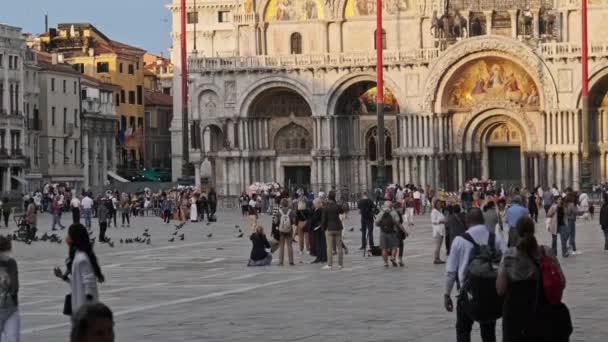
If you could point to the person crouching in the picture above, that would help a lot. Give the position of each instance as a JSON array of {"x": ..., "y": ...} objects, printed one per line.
[{"x": 259, "y": 254}]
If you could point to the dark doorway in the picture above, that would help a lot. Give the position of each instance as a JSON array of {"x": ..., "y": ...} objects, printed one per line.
[
  {"x": 297, "y": 177},
  {"x": 505, "y": 165},
  {"x": 388, "y": 174}
]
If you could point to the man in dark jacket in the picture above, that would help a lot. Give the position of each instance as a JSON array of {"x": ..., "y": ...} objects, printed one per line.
[
  {"x": 604, "y": 221},
  {"x": 366, "y": 209},
  {"x": 332, "y": 226}
]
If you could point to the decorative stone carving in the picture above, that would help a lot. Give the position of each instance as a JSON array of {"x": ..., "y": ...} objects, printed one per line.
[
  {"x": 518, "y": 51},
  {"x": 230, "y": 92},
  {"x": 207, "y": 104}
]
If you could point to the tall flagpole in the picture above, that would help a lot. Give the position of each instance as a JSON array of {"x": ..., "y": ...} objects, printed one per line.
[
  {"x": 184, "y": 89},
  {"x": 586, "y": 163},
  {"x": 381, "y": 143}
]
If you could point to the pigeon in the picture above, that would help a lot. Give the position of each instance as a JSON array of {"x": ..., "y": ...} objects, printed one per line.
[
  {"x": 121, "y": 241},
  {"x": 171, "y": 239},
  {"x": 240, "y": 235},
  {"x": 219, "y": 249},
  {"x": 148, "y": 241},
  {"x": 240, "y": 231},
  {"x": 236, "y": 227},
  {"x": 111, "y": 244},
  {"x": 209, "y": 235},
  {"x": 351, "y": 229},
  {"x": 174, "y": 233},
  {"x": 181, "y": 237},
  {"x": 208, "y": 223}
]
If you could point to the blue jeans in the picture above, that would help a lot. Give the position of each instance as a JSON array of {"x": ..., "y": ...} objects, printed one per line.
[
  {"x": 563, "y": 235},
  {"x": 57, "y": 221},
  {"x": 86, "y": 213},
  {"x": 572, "y": 228}
]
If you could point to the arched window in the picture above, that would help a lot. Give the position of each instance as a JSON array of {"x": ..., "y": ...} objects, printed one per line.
[
  {"x": 383, "y": 39},
  {"x": 296, "y": 43},
  {"x": 371, "y": 148}
]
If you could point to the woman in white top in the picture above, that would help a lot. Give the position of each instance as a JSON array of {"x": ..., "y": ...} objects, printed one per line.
[
  {"x": 193, "y": 208},
  {"x": 83, "y": 271},
  {"x": 438, "y": 224}
]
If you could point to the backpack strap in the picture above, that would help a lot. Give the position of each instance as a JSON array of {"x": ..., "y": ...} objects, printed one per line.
[{"x": 469, "y": 238}]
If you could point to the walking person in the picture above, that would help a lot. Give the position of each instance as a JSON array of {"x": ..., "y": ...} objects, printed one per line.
[
  {"x": 438, "y": 224},
  {"x": 212, "y": 199},
  {"x": 332, "y": 226},
  {"x": 31, "y": 217},
  {"x": 571, "y": 214},
  {"x": 87, "y": 209},
  {"x": 417, "y": 197},
  {"x": 547, "y": 200},
  {"x": 286, "y": 220},
  {"x": 5, "y": 210},
  {"x": 102, "y": 215},
  {"x": 454, "y": 226},
  {"x": 10, "y": 320},
  {"x": 388, "y": 222},
  {"x": 604, "y": 220},
  {"x": 125, "y": 207},
  {"x": 366, "y": 210},
  {"x": 518, "y": 280},
  {"x": 302, "y": 216},
  {"x": 244, "y": 201},
  {"x": 477, "y": 235},
  {"x": 401, "y": 233},
  {"x": 75, "y": 206},
  {"x": 259, "y": 254},
  {"x": 83, "y": 270},
  {"x": 167, "y": 208},
  {"x": 515, "y": 212},
  {"x": 318, "y": 235},
  {"x": 56, "y": 212},
  {"x": 533, "y": 207},
  {"x": 492, "y": 218},
  {"x": 558, "y": 224}
]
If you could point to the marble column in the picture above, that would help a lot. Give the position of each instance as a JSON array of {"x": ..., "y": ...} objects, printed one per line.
[
  {"x": 559, "y": 169},
  {"x": 197, "y": 174},
  {"x": 560, "y": 126},
  {"x": 407, "y": 170},
  {"x": 575, "y": 172},
  {"x": 567, "y": 171},
  {"x": 460, "y": 171},
  {"x": 7, "y": 179},
  {"x": 576, "y": 128},
  {"x": 536, "y": 170},
  {"x": 488, "y": 15},
  {"x": 513, "y": 15},
  {"x": 86, "y": 160},
  {"x": 441, "y": 119},
  {"x": 602, "y": 166},
  {"x": 564, "y": 21},
  {"x": 535, "y": 22},
  {"x": 423, "y": 171},
  {"x": 523, "y": 163},
  {"x": 550, "y": 169}
]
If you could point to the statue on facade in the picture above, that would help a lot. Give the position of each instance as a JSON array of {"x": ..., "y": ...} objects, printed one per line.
[
  {"x": 524, "y": 23},
  {"x": 459, "y": 27},
  {"x": 547, "y": 22}
]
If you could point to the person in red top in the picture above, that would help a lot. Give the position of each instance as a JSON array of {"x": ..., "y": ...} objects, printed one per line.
[{"x": 56, "y": 211}]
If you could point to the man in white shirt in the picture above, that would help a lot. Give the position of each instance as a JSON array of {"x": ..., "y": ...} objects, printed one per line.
[
  {"x": 75, "y": 206},
  {"x": 456, "y": 268},
  {"x": 87, "y": 209}
]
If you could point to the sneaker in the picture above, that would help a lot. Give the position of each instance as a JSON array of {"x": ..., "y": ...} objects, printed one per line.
[
  {"x": 575, "y": 253},
  {"x": 438, "y": 262},
  {"x": 326, "y": 267},
  {"x": 385, "y": 265},
  {"x": 299, "y": 252}
]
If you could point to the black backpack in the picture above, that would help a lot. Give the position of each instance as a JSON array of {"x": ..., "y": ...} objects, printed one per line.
[
  {"x": 478, "y": 295},
  {"x": 387, "y": 225}
]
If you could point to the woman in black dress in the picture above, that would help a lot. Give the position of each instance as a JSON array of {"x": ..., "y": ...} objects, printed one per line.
[{"x": 317, "y": 234}]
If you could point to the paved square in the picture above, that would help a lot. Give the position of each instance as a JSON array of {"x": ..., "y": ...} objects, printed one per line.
[{"x": 199, "y": 289}]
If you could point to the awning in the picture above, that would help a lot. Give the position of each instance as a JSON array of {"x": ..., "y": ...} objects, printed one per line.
[
  {"x": 20, "y": 180},
  {"x": 117, "y": 177}
]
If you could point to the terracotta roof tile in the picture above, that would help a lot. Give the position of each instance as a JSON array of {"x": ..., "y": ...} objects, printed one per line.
[{"x": 156, "y": 98}]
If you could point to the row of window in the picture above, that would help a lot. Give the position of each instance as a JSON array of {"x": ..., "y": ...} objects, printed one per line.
[
  {"x": 13, "y": 98},
  {"x": 123, "y": 122},
  {"x": 13, "y": 61},
  {"x": 65, "y": 152},
  {"x": 296, "y": 42},
  {"x": 222, "y": 17},
  {"x": 65, "y": 118},
  {"x": 65, "y": 86},
  {"x": 104, "y": 67},
  {"x": 15, "y": 142},
  {"x": 133, "y": 94}
]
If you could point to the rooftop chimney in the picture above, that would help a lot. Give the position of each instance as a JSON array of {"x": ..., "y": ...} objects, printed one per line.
[
  {"x": 46, "y": 23},
  {"x": 54, "y": 58}
]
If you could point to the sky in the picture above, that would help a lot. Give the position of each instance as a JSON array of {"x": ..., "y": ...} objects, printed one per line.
[{"x": 142, "y": 23}]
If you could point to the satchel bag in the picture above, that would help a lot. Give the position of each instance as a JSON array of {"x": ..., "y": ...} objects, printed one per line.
[{"x": 67, "y": 305}]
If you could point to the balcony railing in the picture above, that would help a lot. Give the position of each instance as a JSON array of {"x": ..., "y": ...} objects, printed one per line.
[
  {"x": 569, "y": 50},
  {"x": 420, "y": 56},
  {"x": 245, "y": 18}
]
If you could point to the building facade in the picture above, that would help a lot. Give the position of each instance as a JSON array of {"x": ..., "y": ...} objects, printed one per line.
[
  {"x": 157, "y": 137},
  {"x": 33, "y": 122},
  {"x": 12, "y": 133},
  {"x": 60, "y": 137},
  {"x": 99, "y": 130},
  {"x": 94, "y": 54},
  {"x": 285, "y": 91},
  {"x": 158, "y": 74}
]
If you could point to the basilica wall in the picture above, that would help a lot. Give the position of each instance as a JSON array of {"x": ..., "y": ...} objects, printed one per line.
[{"x": 468, "y": 94}]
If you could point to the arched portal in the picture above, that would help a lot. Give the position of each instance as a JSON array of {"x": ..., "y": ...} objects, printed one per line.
[
  {"x": 280, "y": 131},
  {"x": 356, "y": 133}
]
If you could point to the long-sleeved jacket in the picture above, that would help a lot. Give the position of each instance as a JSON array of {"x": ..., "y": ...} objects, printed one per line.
[
  {"x": 102, "y": 213},
  {"x": 330, "y": 218},
  {"x": 260, "y": 243},
  {"x": 604, "y": 216},
  {"x": 83, "y": 281}
]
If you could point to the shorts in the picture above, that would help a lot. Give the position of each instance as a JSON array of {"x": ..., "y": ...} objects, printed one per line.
[
  {"x": 438, "y": 231},
  {"x": 388, "y": 240}
]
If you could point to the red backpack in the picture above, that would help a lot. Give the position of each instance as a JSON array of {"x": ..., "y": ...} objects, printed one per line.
[{"x": 552, "y": 279}]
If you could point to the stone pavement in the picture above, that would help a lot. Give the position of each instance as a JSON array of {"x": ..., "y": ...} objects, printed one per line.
[{"x": 200, "y": 289}]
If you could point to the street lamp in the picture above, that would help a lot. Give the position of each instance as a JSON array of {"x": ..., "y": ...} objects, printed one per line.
[{"x": 586, "y": 162}]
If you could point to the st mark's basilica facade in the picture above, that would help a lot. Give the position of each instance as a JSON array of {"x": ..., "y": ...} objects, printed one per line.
[{"x": 284, "y": 90}]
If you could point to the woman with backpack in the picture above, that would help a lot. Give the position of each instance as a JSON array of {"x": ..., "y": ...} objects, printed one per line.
[
  {"x": 83, "y": 271},
  {"x": 9, "y": 289},
  {"x": 285, "y": 219},
  {"x": 530, "y": 278}
]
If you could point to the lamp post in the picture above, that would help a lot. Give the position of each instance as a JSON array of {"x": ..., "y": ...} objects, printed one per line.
[
  {"x": 586, "y": 162},
  {"x": 184, "y": 89},
  {"x": 380, "y": 176}
]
